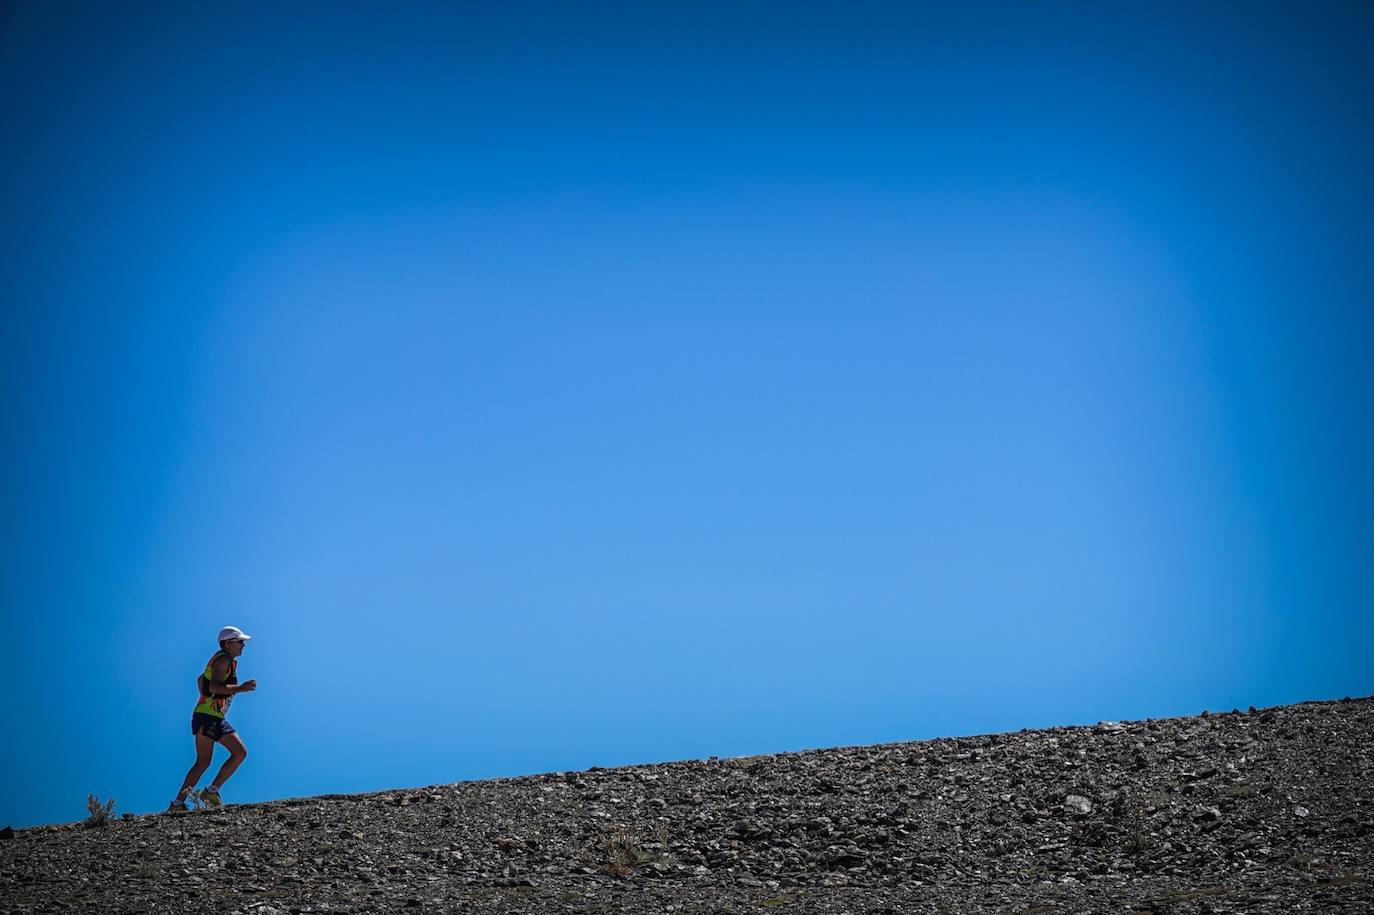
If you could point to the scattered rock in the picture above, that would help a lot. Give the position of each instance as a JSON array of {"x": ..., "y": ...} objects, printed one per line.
[{"x": 1183, "y": 815}]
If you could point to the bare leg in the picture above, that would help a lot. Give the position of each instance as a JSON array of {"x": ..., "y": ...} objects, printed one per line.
[
  {"x": 205, "y": 750},
  {"x": 237, "y": 754}
]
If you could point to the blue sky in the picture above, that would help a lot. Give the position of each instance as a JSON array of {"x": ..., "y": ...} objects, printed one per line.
[{"x": 549, "y": 388}]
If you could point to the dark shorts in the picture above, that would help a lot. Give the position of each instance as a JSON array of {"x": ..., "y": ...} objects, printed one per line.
[{"x": 210, "y": 726}]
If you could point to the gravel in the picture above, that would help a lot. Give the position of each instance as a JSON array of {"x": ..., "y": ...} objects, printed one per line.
[{"x": 1266, "y": 810}]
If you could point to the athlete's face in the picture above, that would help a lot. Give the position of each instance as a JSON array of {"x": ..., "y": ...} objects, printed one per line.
[{"x": 234, "y": 647}]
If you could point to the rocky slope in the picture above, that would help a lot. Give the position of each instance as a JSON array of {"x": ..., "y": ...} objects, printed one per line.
[{"x": 1259, "y": 811}]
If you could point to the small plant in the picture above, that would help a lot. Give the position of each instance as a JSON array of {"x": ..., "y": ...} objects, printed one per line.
[
  {"x": 99, "y": 812},
  {"x": 623, "y": 853},
  {"x": 1138, "y": 836},
  {"x": 1301, "y": 860},
  {"x": 1137, "y": 844}
]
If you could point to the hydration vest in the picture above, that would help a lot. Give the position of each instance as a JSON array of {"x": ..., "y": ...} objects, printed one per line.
[{"x": 215, "y": 705}]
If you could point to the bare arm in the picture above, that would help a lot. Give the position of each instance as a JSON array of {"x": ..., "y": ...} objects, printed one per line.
[{"x": 219, "y": 673}]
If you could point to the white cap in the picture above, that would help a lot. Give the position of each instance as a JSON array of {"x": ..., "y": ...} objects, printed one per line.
[{"x": 233, "y": 632}]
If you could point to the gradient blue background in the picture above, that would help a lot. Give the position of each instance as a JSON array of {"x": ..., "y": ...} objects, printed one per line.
[{"x": 555, "y": 388}]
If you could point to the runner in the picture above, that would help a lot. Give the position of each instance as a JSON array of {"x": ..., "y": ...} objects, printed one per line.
[{"x": 218, "y": 685}]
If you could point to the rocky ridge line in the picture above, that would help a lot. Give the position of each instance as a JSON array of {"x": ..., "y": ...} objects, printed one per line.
[{"x": 1261, "y": 811}]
